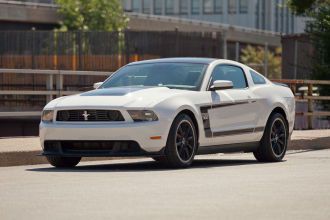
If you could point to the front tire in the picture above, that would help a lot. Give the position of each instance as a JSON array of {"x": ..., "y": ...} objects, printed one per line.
[
  {"x": 63, "y": 162},
  {"x": 273, "y": 144},
  {"x": 181, "y": 143}
]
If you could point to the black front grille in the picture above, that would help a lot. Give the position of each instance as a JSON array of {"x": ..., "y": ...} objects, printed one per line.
[
  {"x": 90, "y": 148},
  {"x": 89, "y": 115}
]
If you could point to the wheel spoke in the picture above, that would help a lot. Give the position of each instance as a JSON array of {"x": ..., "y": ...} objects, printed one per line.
[
  {"x": 190, "y": 138},
  {"x": 187, "y": 154},
  {"x": 179, "y": 147},
  {"x": 281, "y": 142},
  {"x": 188, "y": 132},
  {"x": 281, "y": 135},
  {"x": 189, "y": 146},
  {"x": 277, "y": 149},
  {"x": 181, "y": 131}
]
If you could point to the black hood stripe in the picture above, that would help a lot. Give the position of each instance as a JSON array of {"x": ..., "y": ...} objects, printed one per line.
[{"x": 117, "y": 91}]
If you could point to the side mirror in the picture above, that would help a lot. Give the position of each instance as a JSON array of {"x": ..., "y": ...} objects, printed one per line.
[
  {"x": 97, "y": 85},
  {"x": 221, "y": 84}
]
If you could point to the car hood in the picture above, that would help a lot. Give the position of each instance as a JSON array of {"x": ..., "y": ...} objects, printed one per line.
[{"x": 118, "y": 97}]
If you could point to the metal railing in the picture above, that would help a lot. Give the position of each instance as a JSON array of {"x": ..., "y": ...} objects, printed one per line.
[
  {"x": 55, "y": 77},
  {"x": 308, "y": 96},
  {"x": 52, "y": 76}
]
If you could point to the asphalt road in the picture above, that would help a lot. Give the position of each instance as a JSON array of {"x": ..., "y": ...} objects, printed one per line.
[{"x": 217, "y": 187}]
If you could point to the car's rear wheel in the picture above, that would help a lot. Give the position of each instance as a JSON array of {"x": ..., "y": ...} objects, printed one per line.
[
  {"x": 181, "y": 143},
  {"x": 63, "y": 162},
  {"x": 273, "y": 144}
]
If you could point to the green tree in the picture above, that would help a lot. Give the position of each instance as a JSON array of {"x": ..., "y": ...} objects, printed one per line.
[
  {"x": 92, "y": 15},
  {"x": 305, "y": 6},
  {"x": 255, "y": 57},
  {"x": 318, "y": 28}
]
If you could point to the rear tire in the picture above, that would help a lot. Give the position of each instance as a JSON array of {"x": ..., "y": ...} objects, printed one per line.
[
  {"x": 181, "y": 143},
  {"x": 63, "y": 162},
  {"x": 273, "y": 144}
]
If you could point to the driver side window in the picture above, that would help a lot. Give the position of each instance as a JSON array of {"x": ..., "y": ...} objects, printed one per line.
[{"x": 230, "y": 73}]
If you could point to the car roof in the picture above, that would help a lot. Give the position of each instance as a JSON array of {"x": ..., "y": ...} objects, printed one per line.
[{"x": 177, "y": 60}]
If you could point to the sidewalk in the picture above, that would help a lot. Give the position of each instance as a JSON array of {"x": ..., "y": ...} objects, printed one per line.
[{"x": 23, "y": 151}]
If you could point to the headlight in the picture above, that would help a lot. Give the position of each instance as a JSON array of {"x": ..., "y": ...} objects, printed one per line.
[
  {"x": 47, "y": 115},
  {"x": 143, "y": 115}
]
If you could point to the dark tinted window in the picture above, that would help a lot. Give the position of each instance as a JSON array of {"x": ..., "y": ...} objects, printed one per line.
[
  {"x": 218, "y": 6},
  {"x": 257, "y": 78},
  {"x": 169, "y": 7},
  {"x": 207, "y": 7},
  {"x": 195, "y": 7},
  {"x": 231, "y": 73},
  {"x": 146, "y": 6},
  {"x": 158, "y": 7},
  {"x": 183, "y": 7}
]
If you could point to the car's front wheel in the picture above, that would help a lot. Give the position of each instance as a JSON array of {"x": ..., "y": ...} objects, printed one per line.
[
  {"x": 63, "y": 162},
  {"x": 274, "y": 142},
  {"x": 181, "y": 143}
]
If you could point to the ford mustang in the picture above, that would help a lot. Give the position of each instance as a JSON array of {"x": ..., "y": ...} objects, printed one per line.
[{"x": 171, "y": 110}]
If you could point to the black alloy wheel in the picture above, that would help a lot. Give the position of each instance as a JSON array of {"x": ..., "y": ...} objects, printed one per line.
[
  {"x": 181, "y": 143},
  {"x": 185, "y": 140},
  {"x": 274, "y": 142}
]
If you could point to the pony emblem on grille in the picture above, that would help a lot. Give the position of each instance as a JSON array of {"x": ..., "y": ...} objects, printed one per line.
[{"x": 85, "y": 115}]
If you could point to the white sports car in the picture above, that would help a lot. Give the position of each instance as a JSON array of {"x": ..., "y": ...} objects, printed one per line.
[{"x": 171, "y": 109}]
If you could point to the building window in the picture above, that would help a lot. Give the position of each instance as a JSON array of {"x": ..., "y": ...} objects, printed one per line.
[
  {"x": 243, "y": 6},
  {"x": 158, "y": 7},
  {"x": 146, "y": 6},
  {"x": 207, "y": 7},
  {"x": 136, "y": 5},
  {"x": 218, "y": 6},
  {"x": 169, "y": 7},
  {"x": 232, "y": 6},
  {"x": 292, "y": 23},
  {"x": 277, "y": 6},
  {"x": 183, "y": 7},
  {"x": 287, "y": 20},
  {"x": 195, "y": 7},
  {"x": 263, "y": 15}
]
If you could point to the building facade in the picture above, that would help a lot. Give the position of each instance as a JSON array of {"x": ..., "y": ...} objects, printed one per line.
[{"x": 272, "y": 15}]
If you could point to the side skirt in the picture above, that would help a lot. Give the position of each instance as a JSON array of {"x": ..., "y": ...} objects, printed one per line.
[{"x": 228, "y": 148}]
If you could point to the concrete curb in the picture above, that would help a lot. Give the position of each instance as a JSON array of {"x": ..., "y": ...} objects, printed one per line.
[
  {"x": 17, "y": 158},
  {"x": 8, "y": 159}
]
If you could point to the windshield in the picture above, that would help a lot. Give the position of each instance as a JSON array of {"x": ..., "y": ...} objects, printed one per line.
[{"x": 187, "y": 76}]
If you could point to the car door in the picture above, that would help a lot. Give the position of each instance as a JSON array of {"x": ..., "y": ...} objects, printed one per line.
[{"x": 233, "y": 111}]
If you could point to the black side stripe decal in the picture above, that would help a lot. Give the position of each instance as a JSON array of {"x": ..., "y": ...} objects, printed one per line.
[
  {"x": 239, "y": 131},
  {"x": 206, "y": 121}
]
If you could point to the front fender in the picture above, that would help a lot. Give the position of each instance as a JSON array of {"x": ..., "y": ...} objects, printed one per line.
[{"x": 169, "y": 109}]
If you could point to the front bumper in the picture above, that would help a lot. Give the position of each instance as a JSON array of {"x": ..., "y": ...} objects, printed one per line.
[
  {"x": 96, "y": 149},
  {"x": 103, "y": 139}
]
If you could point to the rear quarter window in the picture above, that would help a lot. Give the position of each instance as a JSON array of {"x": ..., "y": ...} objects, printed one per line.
[{"x": 257, "y": 78}]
